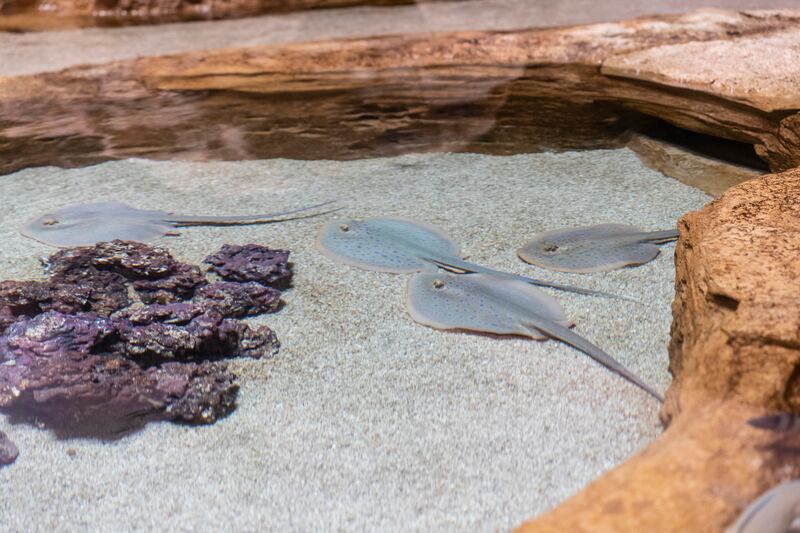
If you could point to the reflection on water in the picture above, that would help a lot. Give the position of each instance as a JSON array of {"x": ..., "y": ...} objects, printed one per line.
[{"x": 226, "y": 125}]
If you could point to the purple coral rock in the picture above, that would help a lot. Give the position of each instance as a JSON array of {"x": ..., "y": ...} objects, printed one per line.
[
  {"x": 248, "y": 342},
  {"x": 133, "y": 260},
  {"x": 178, "y": 285},
  {"x": 252, "y": 262},
  {"x": 174, "y": 313},
  {"x": 48, "y": 370},
  {"x": 187, "y": 331},
  {"x": 102, "y": 293},
  {"x": 8, "y": 450},
  {"x": 197, "y": 393},
  {"x": 238, "y": 300},
  {"x": 54, "y": 334},
  {"x": 46, "y": 349},
  {"x": 162, "y": 337},
  {"x": 74, "y": 356},
  {"x": 156, "y": 275}
]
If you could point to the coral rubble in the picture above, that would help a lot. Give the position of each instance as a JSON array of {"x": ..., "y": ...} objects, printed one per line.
[
  {"x": 76, "y": 355},
  {"x": 238, "y": 300},
  {"x": 252, "y": 262}
]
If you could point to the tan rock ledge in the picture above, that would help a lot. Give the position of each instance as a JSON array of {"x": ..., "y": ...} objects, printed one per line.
[
  {"x": 26, "y": 15},
  {"x": 491, "y": 92}
]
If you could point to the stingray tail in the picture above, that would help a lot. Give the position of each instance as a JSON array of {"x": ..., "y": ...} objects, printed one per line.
[
  {"x": 568, "y": 336},
  {"x": 265, "y": 218},
  {"x": 465, "y": 266},
  {"x": 658, "y": 237}
]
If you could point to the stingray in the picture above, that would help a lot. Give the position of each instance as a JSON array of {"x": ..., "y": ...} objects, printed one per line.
[
  {"x": 772, "y": 512},
  {"x": 503, "y": 306},
  {"x": 399, "y": 246},
  {"x": 87, "y": 224},
  {"x": 594, "y": 248}
]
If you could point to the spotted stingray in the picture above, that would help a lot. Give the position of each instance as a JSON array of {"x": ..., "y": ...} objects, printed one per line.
[
  {"x": 503, "y": 306},
  {"x": 400, "y": 245},
  {"x": 90, "y": 223},
  {"x": 594, "y": 248},
  {"x": 772, "y": 512}
]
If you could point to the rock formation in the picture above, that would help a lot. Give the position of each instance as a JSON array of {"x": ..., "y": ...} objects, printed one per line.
[
  {"x": 26, "y": 15},
  {"x": 736, "y": 328},
  {"x": 86, "y": 364},
  {"x": 735, "y": 349},
  {"x": 563, "y": 88}
]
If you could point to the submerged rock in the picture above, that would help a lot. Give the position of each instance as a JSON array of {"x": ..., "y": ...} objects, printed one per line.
[
  {"x": 8, "y": 450},
  {"x": 71, "y": 389},
  {"x": 133, "y": 260},
  {"x": 252, "y": 262},
  {"x": 98, "y": 292},
  {"x": 156, "y": 276},
  {"x": 238, "y": 300},
  {"x": 178, "y": 285},
  {"x": 74, "y": 355},
  {"x": 188, "y": 331}
]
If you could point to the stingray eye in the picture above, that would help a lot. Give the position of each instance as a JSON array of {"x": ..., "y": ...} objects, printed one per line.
[
  {"x": 344, "y": 227},
  {"x": 49, "y": 221},
  {"x": 549, "y": 247},
  {"x": 438, "y": 284}
]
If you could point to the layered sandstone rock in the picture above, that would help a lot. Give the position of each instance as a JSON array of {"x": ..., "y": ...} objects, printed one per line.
[
  {"x": 478, "y": 91},
  {"x": 26, "y": 15},
  {"x": 736, "y": 328}
]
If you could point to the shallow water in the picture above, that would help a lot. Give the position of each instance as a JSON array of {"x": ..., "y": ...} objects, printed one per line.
[{"x": 366, "y": 420}]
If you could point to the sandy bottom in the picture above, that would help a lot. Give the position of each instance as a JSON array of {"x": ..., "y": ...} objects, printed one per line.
[{"x": 366, "y": 420}]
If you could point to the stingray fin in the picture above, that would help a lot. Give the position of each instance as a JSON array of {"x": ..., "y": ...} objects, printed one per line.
[
  {"x": 455, "y": 264},
  {"x": 751, "y": 512}
]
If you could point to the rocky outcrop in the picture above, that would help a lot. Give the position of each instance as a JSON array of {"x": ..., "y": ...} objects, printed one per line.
[
  {"x": 484, "y": 92},
  {"x": 735, "y": 354},
  {"x": 27, "y": 15},
  {"x": 86, "y": 365},
  {"x": 736, "y": 328}
]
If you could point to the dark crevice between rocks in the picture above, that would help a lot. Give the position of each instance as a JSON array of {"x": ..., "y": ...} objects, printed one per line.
[{"x": 725, "y": 150}]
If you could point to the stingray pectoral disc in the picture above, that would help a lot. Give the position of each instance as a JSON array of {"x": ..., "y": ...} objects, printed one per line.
[
  {"x": 87, "y": 224},
  {"x": 588, "y": 249},
  {"x": 394, "y": 245},
  {"x": 479, "y": 302}
]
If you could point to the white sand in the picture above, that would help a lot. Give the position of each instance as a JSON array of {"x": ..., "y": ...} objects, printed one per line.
[{"x": 366, "y": 420}]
